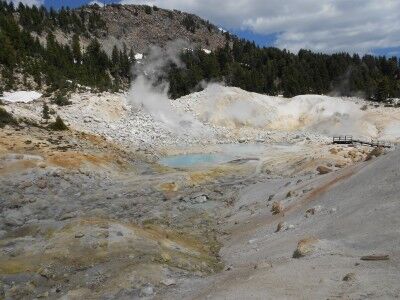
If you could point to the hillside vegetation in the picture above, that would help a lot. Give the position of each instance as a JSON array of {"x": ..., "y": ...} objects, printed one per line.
[{"x": 44, "y": 48}]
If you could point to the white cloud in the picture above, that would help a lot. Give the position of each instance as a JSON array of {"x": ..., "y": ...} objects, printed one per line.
[
  {"x": 321, "y": 25},
  {"x": 96, "y": 2},
  {"x": 28, "y": 2}
]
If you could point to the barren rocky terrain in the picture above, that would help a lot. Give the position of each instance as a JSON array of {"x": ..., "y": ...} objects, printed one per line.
[
  {"x": 131, "y": 26},
  {"x": 95, "y": 212}
]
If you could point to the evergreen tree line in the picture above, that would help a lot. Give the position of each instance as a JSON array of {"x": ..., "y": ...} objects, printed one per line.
[
  {"x": 39, "y": 19},
  {"x": 273, "y": 71},
  {"x": 53, "y": 63},
  {"x": 240, "y": 63}
]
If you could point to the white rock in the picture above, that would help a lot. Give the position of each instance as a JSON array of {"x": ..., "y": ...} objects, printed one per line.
[
  {"x": 168, "y": 281},
  {"x": 147, "y": 291},
  {"x": 13, "y": 217}
]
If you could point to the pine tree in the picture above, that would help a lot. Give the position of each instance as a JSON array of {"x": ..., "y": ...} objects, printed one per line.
[
  {"x": 8, "y": 55},
  {"x": 115, "y": 56},
  {"x": 76, "y": 49},
  {"x": 382, "y": 90},
  {"x": 189, "y": 23},
  {"x": 58, "y": 125},
  {"x": 148, "y": 10},
  {"x": 61, "y": 99},
  {"x": 45, "y": 112},
  {"x": 6, "y": 118}
]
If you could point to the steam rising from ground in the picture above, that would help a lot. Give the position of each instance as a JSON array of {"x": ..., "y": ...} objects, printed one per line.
[
  {"x": 147, "y": 92},
  {"x": 234, "y": 108}
]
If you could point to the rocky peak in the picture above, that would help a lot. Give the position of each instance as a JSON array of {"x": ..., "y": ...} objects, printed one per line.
[{"x": 139, "y": 26}]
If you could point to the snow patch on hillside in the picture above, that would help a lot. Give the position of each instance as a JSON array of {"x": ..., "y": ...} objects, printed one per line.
[
  {"x": 21, "y": 96},
  {"x": 138, "y": 56}
]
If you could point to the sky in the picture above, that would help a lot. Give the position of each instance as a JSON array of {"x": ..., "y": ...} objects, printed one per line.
[{"x": 355, "y": 26}]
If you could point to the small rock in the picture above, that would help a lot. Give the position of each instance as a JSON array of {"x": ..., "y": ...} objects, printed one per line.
[
  {"x": 281, "y": 226},
  {"x": 289, "y": 194},
  {"x": 181, "y": 208},
  {"x": 44, "y": 272},
  {"x": 42, "y": 184},
  {"x": 310, "y": 211},
  {"x": 333, "y": 151},
  {"x": 103, "y": 234},
  {"x": 25, "y": 184},
  {"x": 305, "y": 247},
  {"x": 168, "y": 281},
  {"x": 323, "y": 170},
  {"x": 166, "y": 257},
  {"x": 276, "y": 208},
  {"x": 305, "y": 191},
  {"x": 56, "y": 173},
  {"x": 313, "y": 210},
  {"x": 79, "y": 235},
  {"x": 67, "y": 216},
  {"x": 41, "y": 165},
  {"x": 147, "y": 291},
  {"x": 13, "y": 218},
  {"x": 17, "y": 202},
  {"x": 43, "y": 295},
  {"x": 202, "y": 198},
  {"x": 349, "y": 277},
  {"x": 340, "y": 164}
]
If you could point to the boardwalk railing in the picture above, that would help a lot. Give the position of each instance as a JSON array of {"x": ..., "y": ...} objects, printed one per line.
[
  {"x": 343, "y": 139},
  {"x": 349, "y": 140}
]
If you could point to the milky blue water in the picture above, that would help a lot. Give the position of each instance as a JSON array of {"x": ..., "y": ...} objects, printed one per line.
[
  {"x": 225, "y": 154},
  {"x": 188, "y": 160}
]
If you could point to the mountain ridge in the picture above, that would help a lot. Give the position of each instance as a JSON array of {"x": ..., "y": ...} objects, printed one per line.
[{"x": 138, "y": 27}]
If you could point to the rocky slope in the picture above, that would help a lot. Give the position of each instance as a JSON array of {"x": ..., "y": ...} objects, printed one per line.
[
  {"x": 331, "y": 236},
  {"x": 136, "y": 28}
]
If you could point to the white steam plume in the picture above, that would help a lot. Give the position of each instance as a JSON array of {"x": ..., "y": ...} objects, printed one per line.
[{"x": 150, "y": 94}]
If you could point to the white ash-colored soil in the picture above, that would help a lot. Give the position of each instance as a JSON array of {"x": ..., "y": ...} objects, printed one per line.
[{"x": 95, "y": 216}]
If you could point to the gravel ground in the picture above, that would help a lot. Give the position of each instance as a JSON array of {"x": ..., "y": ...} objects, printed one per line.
[{"x": 89, "y": 213}]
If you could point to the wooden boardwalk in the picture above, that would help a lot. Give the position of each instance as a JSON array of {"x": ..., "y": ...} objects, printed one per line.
[{"x": 349, "y": 140}]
